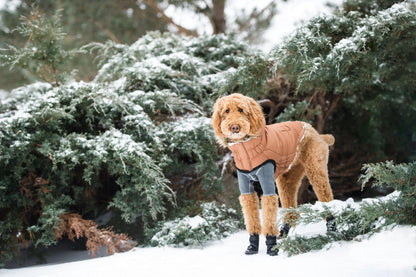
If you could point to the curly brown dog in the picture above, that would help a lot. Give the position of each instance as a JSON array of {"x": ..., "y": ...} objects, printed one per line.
[{"x": 284, "y": 152}]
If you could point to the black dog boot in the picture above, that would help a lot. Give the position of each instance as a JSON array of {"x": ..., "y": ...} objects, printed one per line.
[
  {"x": 270, "y": 243},
  {"x": 331, "y": 225},
  {"x": 284, "y": 231},
  {"x": 253, "y": 248}
]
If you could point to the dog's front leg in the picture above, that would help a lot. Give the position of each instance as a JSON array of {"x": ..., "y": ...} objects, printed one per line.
[
  {"x": 270, "y": 204},
  {"x": 250, "y": 206}
]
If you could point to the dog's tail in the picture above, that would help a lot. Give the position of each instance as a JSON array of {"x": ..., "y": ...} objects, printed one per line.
[{"x": 328, "y": 139}]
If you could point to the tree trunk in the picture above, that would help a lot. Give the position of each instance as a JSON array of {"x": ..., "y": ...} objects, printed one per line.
[
  {"x": 327, "y": 108},
  {"x": 218, "y": 16}
]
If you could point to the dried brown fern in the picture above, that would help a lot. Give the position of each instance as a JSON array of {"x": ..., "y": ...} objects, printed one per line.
[{"x": 74, "y": 226}]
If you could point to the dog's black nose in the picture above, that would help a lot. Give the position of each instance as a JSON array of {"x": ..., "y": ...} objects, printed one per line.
[{"x": 235, "y": 128}]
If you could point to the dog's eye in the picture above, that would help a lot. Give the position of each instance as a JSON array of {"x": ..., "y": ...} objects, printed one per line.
[
  {"x": 227, "y": 110},
  {"x": 240, "y": 110}
]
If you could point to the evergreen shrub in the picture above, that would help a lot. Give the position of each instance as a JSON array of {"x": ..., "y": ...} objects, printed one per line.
[{"x": 127, "y": 141}]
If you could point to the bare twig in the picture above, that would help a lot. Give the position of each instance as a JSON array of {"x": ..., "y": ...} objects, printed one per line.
[
  {"x": 106, "y": 31},
  {"x": 247, "y": 22},
  {"x": 170, "y": 20}
]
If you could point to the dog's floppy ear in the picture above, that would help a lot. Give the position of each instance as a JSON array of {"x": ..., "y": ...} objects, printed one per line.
[
  {"x": 216, "y": 117},
  {"x": 256, "y": 117}
]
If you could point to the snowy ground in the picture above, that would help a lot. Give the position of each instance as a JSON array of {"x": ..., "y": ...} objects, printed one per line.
[{"x": 390, "y": 253}]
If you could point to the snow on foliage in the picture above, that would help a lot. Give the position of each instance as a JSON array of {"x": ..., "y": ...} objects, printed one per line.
[
  {"x": 214, "y": 222},
  {"x": 143, "y": 120},
  {"x": 344, "y": 47}
]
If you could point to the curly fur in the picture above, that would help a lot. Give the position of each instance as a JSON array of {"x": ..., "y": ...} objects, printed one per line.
[
  {"x": 311, "y": 157},
  {"x": 269, "y": 204},
  {"x": 250, "y": 207},
  {"x": 242, "y": 110}
]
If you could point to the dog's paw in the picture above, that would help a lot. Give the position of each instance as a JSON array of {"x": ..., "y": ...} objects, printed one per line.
[
  {"x": 284, "y": 231},
  {"x": 331, "y": 225}
]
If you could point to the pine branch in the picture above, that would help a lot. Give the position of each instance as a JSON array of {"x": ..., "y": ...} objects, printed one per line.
[
  {"x": 73, "y": 226},
  {"x": 43, "y": 55},
  {"x": 357, "y": 223}
]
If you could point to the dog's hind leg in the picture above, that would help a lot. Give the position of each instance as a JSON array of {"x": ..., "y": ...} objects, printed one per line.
[
  {"x": 288, "y": 185},
  {"x": 318, "y": 176},
  {"x": 316, "y": 165}
]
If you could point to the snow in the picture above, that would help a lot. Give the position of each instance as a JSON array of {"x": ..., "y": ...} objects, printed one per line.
[
  {"x": 390, "y": 253},
  {"x": 196, "y": 221},
  {"x": 9, "y": 5},
  {"x": 3, "y": 94}
]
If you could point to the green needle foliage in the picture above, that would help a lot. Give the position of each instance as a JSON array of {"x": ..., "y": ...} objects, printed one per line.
[
  {"x": 43, "y": 55},
  {"x": 214, "y": 222},
  {"x": 352, "y": 67},
  {"x": 357, "y": 223}
]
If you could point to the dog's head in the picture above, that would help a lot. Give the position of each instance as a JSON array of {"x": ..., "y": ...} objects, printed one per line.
[{"x": 237, "y": 117}]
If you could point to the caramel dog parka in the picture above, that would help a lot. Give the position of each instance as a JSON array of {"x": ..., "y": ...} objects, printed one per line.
[{"x": 276, "y": 144}]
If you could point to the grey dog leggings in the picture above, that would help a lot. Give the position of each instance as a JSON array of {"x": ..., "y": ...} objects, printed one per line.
[{"x": 263, "y": 174}]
